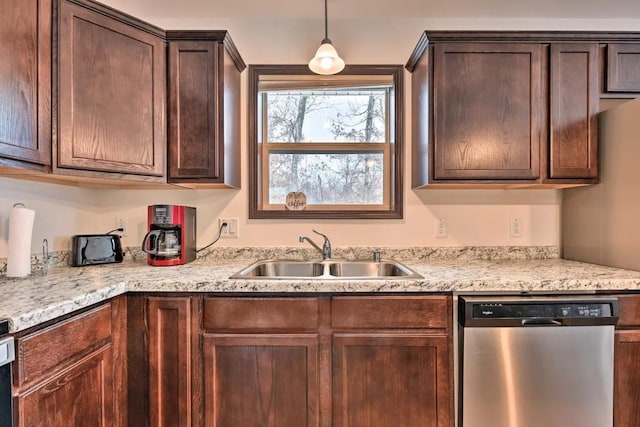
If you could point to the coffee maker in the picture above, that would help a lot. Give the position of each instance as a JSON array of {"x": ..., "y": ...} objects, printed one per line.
[{"x": 171, "y": 239}]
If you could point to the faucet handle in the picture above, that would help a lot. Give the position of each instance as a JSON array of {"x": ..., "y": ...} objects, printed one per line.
[
  {"x": 327, "y": 243},
  {"x": 326, "y": 247},
  {"x": 320, "y": 234}
]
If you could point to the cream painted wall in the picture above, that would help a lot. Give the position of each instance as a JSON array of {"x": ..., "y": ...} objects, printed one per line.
[{"x": 475, "y": 217}]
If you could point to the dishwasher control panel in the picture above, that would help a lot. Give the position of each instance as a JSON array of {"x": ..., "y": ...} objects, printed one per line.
[
  {"x": 519, "y": 311},
  {"x": 530, "y": 311}
]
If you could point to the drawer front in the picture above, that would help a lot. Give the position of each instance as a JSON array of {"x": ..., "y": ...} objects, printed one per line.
[
  {"x": 61, "y": 344},
  {"x": 629, "y": 307},
  {"x": 424, "y": 312},
  {"x": 247, "y": 314}
]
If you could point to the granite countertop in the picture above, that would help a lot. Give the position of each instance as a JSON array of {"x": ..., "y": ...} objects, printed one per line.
[{"x": 30, "y": 301}]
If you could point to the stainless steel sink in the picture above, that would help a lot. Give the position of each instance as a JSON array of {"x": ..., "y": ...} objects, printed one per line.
[
  {"x": 326, "y": 270},
  {"x": 281, "y": 269}
]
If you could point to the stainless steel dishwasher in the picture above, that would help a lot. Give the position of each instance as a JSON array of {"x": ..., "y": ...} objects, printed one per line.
[{"x": 536, "y": 361}]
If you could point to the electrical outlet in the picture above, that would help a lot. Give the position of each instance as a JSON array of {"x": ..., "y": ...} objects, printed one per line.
[
  {"x": 122, "y": 222},
  {"x": 232, "y": 229},
  {"x": 515, "y": 227},
  {"x": 441, "y": 228}
]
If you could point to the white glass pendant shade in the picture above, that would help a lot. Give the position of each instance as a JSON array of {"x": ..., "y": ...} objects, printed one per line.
[{"x": 326, "y": 61}]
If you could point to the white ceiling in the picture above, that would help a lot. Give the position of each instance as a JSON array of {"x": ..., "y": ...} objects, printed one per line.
[{"x": 350, "y": 9}]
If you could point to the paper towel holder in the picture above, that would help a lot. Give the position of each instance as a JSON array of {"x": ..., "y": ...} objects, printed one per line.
[{"x": 19, "y": 204}]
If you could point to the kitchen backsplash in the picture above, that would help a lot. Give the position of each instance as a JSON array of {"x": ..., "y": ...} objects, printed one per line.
[{"x": 462, "y": 253}]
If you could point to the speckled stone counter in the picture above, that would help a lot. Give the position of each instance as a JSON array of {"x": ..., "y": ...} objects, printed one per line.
[{"x": 30, "y": 301}]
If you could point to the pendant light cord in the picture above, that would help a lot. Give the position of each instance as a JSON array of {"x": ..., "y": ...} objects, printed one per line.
[{"x": 326, "y": 21}]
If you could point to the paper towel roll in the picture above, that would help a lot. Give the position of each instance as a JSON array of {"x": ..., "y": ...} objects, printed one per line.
[{"x": 19, "y": 250}]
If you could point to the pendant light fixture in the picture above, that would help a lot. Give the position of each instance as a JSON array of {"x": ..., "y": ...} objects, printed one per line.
[{"x": 326, "y": 61}]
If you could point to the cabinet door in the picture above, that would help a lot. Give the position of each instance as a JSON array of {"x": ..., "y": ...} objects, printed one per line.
[
  {"x": 574, "y": 102},
  {"x": 623, "y": 67},
  {"x": 386, "y": 380},
  {"x": 81, "y": 396},
  {"x": 194, "y": 144},
  {"x": 111, "y": 95},
  {"x": 169, "y": 362},
  {"x": 261, "y": 380},
  {"x": 487, "y": 108},
  {"x": 25, "y": 80},
  {"x": 626, "y": 394}
]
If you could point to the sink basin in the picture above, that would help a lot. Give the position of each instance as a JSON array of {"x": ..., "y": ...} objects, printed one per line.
[
  {"x": 369, "y": 269},
  {"x": 281, "y": 269},
  {"x": 326, "y": 270}
]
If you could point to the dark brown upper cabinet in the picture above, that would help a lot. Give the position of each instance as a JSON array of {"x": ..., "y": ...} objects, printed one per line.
[
  {"x": 204, "y": 109},
  {"x": 25, "y": 84},
  {"x": 573, "y": 109},
  {"x": 623, "y": 67},
  {"x": 507, "y": 109},
  {"x": 486, "y": 110},
  {"x": 111, "y": 95}
]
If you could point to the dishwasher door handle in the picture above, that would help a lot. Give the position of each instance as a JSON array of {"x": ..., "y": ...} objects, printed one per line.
[{"x": 541, "y": 322}]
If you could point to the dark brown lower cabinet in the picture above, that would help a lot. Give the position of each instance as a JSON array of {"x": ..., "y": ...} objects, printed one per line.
[
  {"x": 170, "y": 361},
  {"x": 391, "y": 380},
  {"x": 70, "y": 373},
  {"x": 626, "y": 410},
  {"x": 81, "y": 396},
  {"x": 261, "y": 380}
]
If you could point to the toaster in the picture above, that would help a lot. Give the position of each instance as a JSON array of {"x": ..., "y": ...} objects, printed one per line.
[{"x": 91, "y": 249}]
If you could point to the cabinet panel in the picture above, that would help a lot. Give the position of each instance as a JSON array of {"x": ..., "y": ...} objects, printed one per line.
[
  {"x": 194, "y": 145},
  {"x": 387, "y": 380},
  {"x": 261, "y": 380},
  {"x": 626, "y": 395},
  {"x": 62, "y": 343},
  {"x": 574, "y": 102},
  {"x": 623, "y": 67},
  {"x": 389, "y": 312},
  {"x": 487, "y": 101},
  {"x": 25, "y": 80},
  {"x": 251, "y": 314},
  {"x": 81, "y": 396},
  {"x": 111, "y": 95},
  {"x": 629, "y": 308},
  {"x": 170, "y": 362}
]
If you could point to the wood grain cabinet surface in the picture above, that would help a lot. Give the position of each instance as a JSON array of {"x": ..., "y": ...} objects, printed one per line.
[
  {"x": 505, "y": 109},
  {"x": 111, "y": 95},
  {"x": 286, "y": 361},
  {"x": 25, "y": 83},
  {"x": 623, "y": 67},
  {"x": 573, "y": 110},
  {"x": 487, "y": 101},
  {"x": 626, "y": 394},
  {"x": 392, "y": 361},
  {"x": 65, "y": 372},
  {"x": 170, "y": 361},
  {"x": 204, "y": 108}
]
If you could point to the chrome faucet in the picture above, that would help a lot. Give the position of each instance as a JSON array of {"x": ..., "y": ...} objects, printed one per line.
[{"x": 326, "y": 246}]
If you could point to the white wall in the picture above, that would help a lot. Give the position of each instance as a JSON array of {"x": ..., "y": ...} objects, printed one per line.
[{"x": 475, "y": 217}]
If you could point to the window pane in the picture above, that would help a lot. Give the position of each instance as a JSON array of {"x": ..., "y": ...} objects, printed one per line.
[
  {"x": 333, "y": 115},
  {"x": 328, "y": 179}
]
